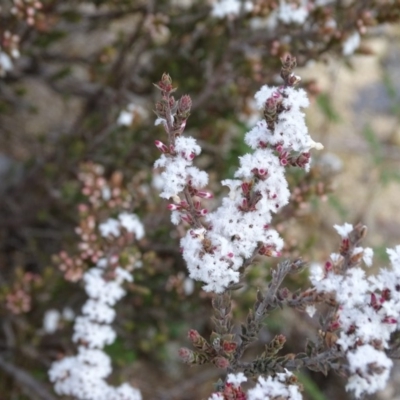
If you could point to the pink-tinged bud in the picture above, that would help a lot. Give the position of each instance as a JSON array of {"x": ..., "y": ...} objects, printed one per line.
[
  {"x": 230, "y": 255},
  {"x": 172, "y": 148},
  {"x": 245, "y": 188},
  {"x": 203, "y": 212},
  {"x": 221, "y": 362},
  {"x": 389, "y": 320},
  {"x": 193, "y": 335},
  {"x": 266, "y": 226},
  {"x": 334, "y": 326},
  {"x": 276, "y": 95},
  {"x": 262, "y": 171},
  {"x": 262, "y": 144},
  {"x": 229, "y": 347},
  {"x": 278, "y": 253},
  {"x": 192, "y": 156},
  {"x": 83, "y": 208},
  {"x": 186, "y": 218},
  {"x": 186, "y": 355},
  {"x": 172, "y": 207},
  {"x": 204, "y": 195},
  {"x": 386, "y": 294},
  {"x": 245, "y": 203},
  {"x": 283, "y": 162},
  {"x": 197, "y": 204},
  {"x": 279, "y": 148},
  {"x": 184, "y": 105},
  {"x": 161, "y": 146},
  {"x": 328, "y": 266}
]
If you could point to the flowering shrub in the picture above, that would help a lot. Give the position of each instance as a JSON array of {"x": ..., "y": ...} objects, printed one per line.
[{"x": 218, "y": 251}]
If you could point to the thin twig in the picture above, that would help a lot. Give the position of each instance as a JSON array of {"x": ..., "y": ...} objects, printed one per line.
[{"x": 33, "y": 388}]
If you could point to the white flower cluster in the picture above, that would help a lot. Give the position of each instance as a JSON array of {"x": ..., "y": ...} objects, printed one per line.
[
  {"x": 287, "y": 12},
  {"x": 83, "y": 376},
  {"x": 125, "y": 220},
  {"x": 290, "y": 13},
  {"x": 179, "y": 170},
  {"x": 132, "y": 112},
  {"x": 230, "y": 8},
  {"x": 269, "y": 388},
  {"x": 351, "y": 44},
  {"x": 369, "y": 313},
  {"x": 275, "y": 388},
  {"x": 237, "y": 228},
  {"x": 6, "y": 64}
]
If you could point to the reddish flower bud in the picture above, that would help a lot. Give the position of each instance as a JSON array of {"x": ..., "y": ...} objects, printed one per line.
[
  {"x": 328, "y": 266},
  {"x": 204, "y": 195},
  {"x": 161, "y": 146},
  {"x": 390, "y": 320},
  {"x": 221, "y": 362},
  {"x": 229, "y": 347},
  {"x": 186, "y": 355},
  {"x": 193, "y": 335}
]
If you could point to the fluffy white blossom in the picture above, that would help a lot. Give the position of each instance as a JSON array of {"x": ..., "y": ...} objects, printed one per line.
[
  {"x": 236, "y": 379},
  {"x": 293, "y": 13},
  {"x": 369, "y": 368},
  {"x": 50, "y": 320},
  {"x": 351, "y": 44},
  {"x": 6, "y": 64},
  {"x": 110, "y": 227},
  {"x": 274, "y": 387},
  {"x": 83, "y": 375},
  {"x": 132, "y": 111},
  {"x": 129, "y": 221},
  {"x": 132, "y": 223},
  {"x": 343, "y": 230},
  {"x": 224, "y": 8}
]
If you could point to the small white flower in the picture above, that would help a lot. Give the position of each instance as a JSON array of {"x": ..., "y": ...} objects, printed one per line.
[
  {"x": 236, "y": 379},
  {"x": 51, "y": 320},
  {"x": 343, "y": 230},
  {"x": 125, "y": 118},
  {"x": 132, "y": 224},
  {"x": 110, "y": 227},
  {"x": 351, "y": 44}
]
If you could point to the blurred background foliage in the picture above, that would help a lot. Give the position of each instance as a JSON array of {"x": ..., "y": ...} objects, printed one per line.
[{"x": 81, "y": 90}]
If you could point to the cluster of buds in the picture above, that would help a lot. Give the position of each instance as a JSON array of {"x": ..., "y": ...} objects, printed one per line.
[
  {"x": 27, "y": 10},
  {"x": 9, "y": 50},
  {"x": 18, "y": 296},
  {"x": 172, "y": 113},
  {"x": 219, "y": 350},
  {"x": 99, "y": 240},
  {"x": 314, "y": 184}
]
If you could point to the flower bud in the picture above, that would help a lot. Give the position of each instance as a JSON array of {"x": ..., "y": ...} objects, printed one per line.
[
  {"x": 221, "y": 362},
  {"x": 161, "y": 146}
]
